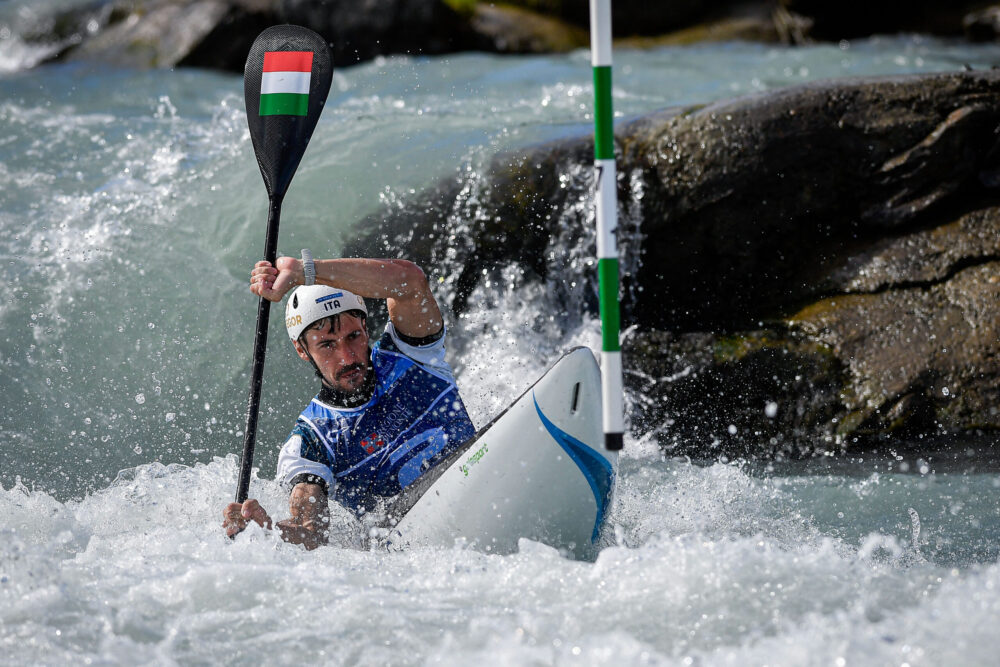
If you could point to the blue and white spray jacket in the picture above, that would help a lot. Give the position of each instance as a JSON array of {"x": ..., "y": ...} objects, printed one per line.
[{"x": 414, "y": 419}]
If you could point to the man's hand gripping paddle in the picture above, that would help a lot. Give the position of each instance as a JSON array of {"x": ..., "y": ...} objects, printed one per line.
[{"x": 286, "y": 81}]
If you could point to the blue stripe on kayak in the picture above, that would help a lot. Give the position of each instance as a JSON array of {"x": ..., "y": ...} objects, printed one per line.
[
  {"x": 410, "y": 471},
  {"x": 595, "y": 468}
]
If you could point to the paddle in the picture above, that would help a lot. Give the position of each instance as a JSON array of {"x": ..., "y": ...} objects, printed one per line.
[{"x": 285, "y": 82}]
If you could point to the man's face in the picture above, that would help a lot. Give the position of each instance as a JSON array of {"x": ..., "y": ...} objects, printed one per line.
[{"x": 341, "y": 354}]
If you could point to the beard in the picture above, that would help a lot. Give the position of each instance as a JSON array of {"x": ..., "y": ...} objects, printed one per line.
[{"x": 350, "y": 398}]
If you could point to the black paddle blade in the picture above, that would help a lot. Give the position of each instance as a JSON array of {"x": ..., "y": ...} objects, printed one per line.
[{"x": 285, "y": 82}]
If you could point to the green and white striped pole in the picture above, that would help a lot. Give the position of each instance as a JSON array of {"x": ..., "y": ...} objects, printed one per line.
[{"x": 606, "y": 199}]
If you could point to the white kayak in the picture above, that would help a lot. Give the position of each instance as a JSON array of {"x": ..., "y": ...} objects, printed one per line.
[{"x": 539, "y": 471}]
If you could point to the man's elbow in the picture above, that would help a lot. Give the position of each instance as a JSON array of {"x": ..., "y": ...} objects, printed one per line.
[{"x": 411, "y": 277}]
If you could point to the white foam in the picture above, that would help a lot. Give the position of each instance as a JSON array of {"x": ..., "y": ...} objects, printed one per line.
[{"x": 715, "y": 566}]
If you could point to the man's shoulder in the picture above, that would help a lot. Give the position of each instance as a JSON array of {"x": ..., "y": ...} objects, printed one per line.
[
  {"x": 429, "y": 356},
  {"x": 305, "y": 430},
  {"x": 304, "y": 441}
]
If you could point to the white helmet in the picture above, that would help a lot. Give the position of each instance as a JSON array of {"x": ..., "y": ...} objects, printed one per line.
[{"x": 311, "y": 303}]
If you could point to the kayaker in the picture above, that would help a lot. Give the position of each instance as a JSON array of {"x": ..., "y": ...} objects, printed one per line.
[{"x": 385, "y": 414}]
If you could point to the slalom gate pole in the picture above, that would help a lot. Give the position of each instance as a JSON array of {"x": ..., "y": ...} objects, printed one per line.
[{"x": 606, "y": 200}]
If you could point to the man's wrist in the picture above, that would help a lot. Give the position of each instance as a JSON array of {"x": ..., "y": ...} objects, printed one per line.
[{"x": 308, "y": 268}]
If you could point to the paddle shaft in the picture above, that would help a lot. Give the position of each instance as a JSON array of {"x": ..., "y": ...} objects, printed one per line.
[{"x": 259, "y": 350}]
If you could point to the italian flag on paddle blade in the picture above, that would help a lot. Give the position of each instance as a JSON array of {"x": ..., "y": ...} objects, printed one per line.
[{"x": 284, "y": 85}]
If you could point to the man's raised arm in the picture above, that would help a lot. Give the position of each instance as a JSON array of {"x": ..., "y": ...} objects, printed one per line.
[{"x": 412, "y": 307}]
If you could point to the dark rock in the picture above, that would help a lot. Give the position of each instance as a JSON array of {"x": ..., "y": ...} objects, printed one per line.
[
  {"x": 766, "y": 197},
  {"x": 55, "y": 34},
  {"x": 165, "y": 33},
  {"x": 912, "y": 351},
  {"x": 758, "y": 393},
  {"x": 923, "y": 258},
  {"x": 359, "y": 31},
  {"x": 516, "y": 30},
  {"x": 218, "y": 33},
  {"x": 632, "y": 17},
  {"x": 226, "y": 42},
  {"x": 792, "y": 28},
  {"x": 847, "y": 19},
  {"x": 843, "y": 234},
  {"x": 919, "y": 358},
  {"x": 752, "y": 28},
  {"x": 982, "y": 25},
  {"x": 641, "y": 24}
]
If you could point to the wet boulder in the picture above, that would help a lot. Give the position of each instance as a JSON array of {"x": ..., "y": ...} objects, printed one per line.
[
  {"x": 166, "y": 33},
  {"x": 756, "y": 204},
  {"x": 848, "y": 19},
  {"x": 764, "y": 393},
  {"x": 218, "y": 33},
  {"x": 509, "y": 29},
  {"x": 359, "y": 31},
  {"x": 983, "y": 25},
  {"x": 875, "y": 238},
  {"x": 633, "y": 17},
  {"x": 921, "y": 354}
]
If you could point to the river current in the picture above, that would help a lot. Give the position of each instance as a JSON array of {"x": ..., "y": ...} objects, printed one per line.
[{"x": 131, "y": 212}]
